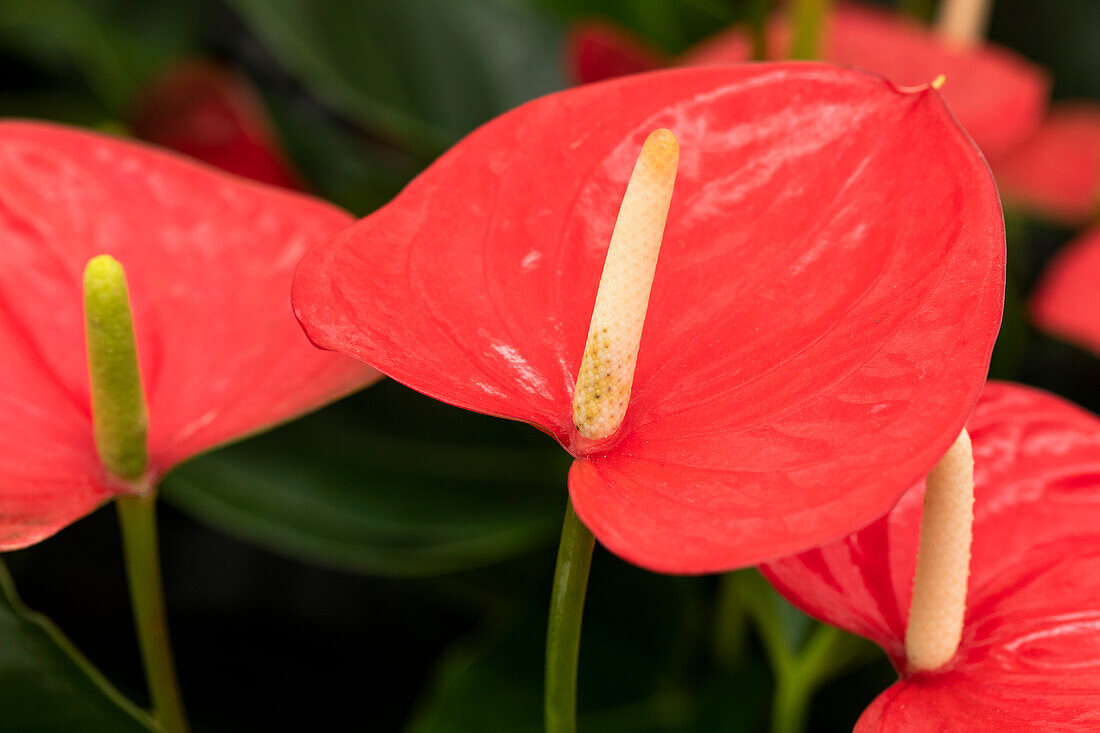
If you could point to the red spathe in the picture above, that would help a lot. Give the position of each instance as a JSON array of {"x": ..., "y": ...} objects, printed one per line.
[
  {"x": 1065, "y": 302},
  {"x": 1029, "y": 659},
  {"x": 209, "y": 259},
  {"x": 1057, "y": 172},
  {"x": 596, "y": 51},
  {"x": 997, "y": 95},
  {"x": 214, "y": 115},
  {"x": 824, "y": 307}
]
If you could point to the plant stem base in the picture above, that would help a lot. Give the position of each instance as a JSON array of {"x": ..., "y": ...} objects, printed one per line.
[
  {"x": 138, "y": 524},
  {"x": 563, "y": 630}
]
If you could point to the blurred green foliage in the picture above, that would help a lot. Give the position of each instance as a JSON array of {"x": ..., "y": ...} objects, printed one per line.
[
  {"x": 113, "y": 46},
  {"x": 418, "y": 72},
  {"x": 384, "y": 482},
  {"x": 47, "y": 683},
  {"x": 637, "y": 641}
]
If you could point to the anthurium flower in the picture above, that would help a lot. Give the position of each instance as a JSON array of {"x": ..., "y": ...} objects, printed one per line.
[
  {"x": 996, "y": 95},
  {"x": 1064, "y": 302},
  {"x": 1057, "y": 172},
  {"x": 1029, "y": 659},
  {"x": 214, "y": 114},
  {"x": 597, "y": 51},
  {"x": 208, "y": 258},
  {"x": 820, "y": 319}
]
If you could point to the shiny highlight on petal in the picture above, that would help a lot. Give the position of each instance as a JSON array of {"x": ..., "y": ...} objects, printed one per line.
[
  {"x": 943, "y": 560},
  {"x": 611, "y": 352}
]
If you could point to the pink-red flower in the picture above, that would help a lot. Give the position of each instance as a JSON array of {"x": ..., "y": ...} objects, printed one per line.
[
  {"x": 996, "y": 95},
  {"x": 1065, "y": 302},
  {"x": 824, "y": 306},
  {"x": 597, "y": 51},
  {"x": 212, "y": 114},
  {"x": 1056, "y": 173},
  {"x": 209, "y": 259},
  {"x": 1029, "y": 659}
]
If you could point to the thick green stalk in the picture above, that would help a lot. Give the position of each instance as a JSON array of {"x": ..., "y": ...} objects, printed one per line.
[
  {"x": 563, "y": 631},
  {"x": 138, "y": 523},
  {"x": 822, "y": 657},
  {"x": 799, "y": 669},
  {"x": 790, "y": 704},
  {"x": 731, "y": 621},
  {"x": 810, "y": 17}
]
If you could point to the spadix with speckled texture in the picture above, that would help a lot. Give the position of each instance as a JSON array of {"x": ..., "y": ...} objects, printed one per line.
[
  {"x": 939, "y": 586},
  {"x": 602, "y": 394},
  {"x": 208, "y": 260},
  {"x": 1029, "y": 657},
  {"x": 119, "y": 416},
  {"x": 822, "y": 312}
]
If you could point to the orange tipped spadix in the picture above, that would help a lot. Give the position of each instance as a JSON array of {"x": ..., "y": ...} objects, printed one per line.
[
  {"x": 607, "y": 369},
  {"x": 943, "y": 560}
]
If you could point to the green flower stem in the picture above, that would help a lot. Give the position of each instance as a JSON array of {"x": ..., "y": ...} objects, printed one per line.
[
  {"x": 799, "y": 668},
  {"x": 801, "y": 676},
  {"x": 563, "y": 631},
  {"x": 809, "y": 23},
  {"x": 757, "y": 16},
  {"x": 790, "y": 703},
  {"x": 138, "y": 523},
  {"x": 922, "y": 10},
  {"x": 731, "y": 621}
]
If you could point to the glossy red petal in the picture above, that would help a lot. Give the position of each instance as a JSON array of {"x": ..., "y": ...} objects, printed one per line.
[
  {"x": 1030, "y": 652},
  {"x": 1065, "y": 302},
  {"x": 828, "y": 293},
  {"x": 997, "y": 95},
  {"x": 214, "y": 115},
  {"x": 209, "y": 260},
  {"x": 596, "y": 51},
  {"x": 1057, "y": 172}
]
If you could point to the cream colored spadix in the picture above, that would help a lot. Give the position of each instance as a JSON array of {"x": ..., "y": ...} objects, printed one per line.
[
  {"x": 607, "y": 369},
  {"x": 964, "y": 21},
  {"x": 943, "y": 560}
]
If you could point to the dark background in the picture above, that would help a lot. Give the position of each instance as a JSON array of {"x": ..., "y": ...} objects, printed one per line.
[{"x": 385, "y": 563}]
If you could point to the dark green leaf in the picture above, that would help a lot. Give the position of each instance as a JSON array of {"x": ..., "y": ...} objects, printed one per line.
[
  {"x": 364, "y": 485},
  {"x": 58, "y": 106},
  {"x": 342, "y": 165},
  {"x": 634, "y": 630},
  {"x": 46, "y": 684},
  {"x": 421, "y": 72},
  {"x": 732, "y": 700},
  {"x": 1060, "y": 36},
  {"x": 115, "y": 46},
  {"x": 672, "y": 27}
]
